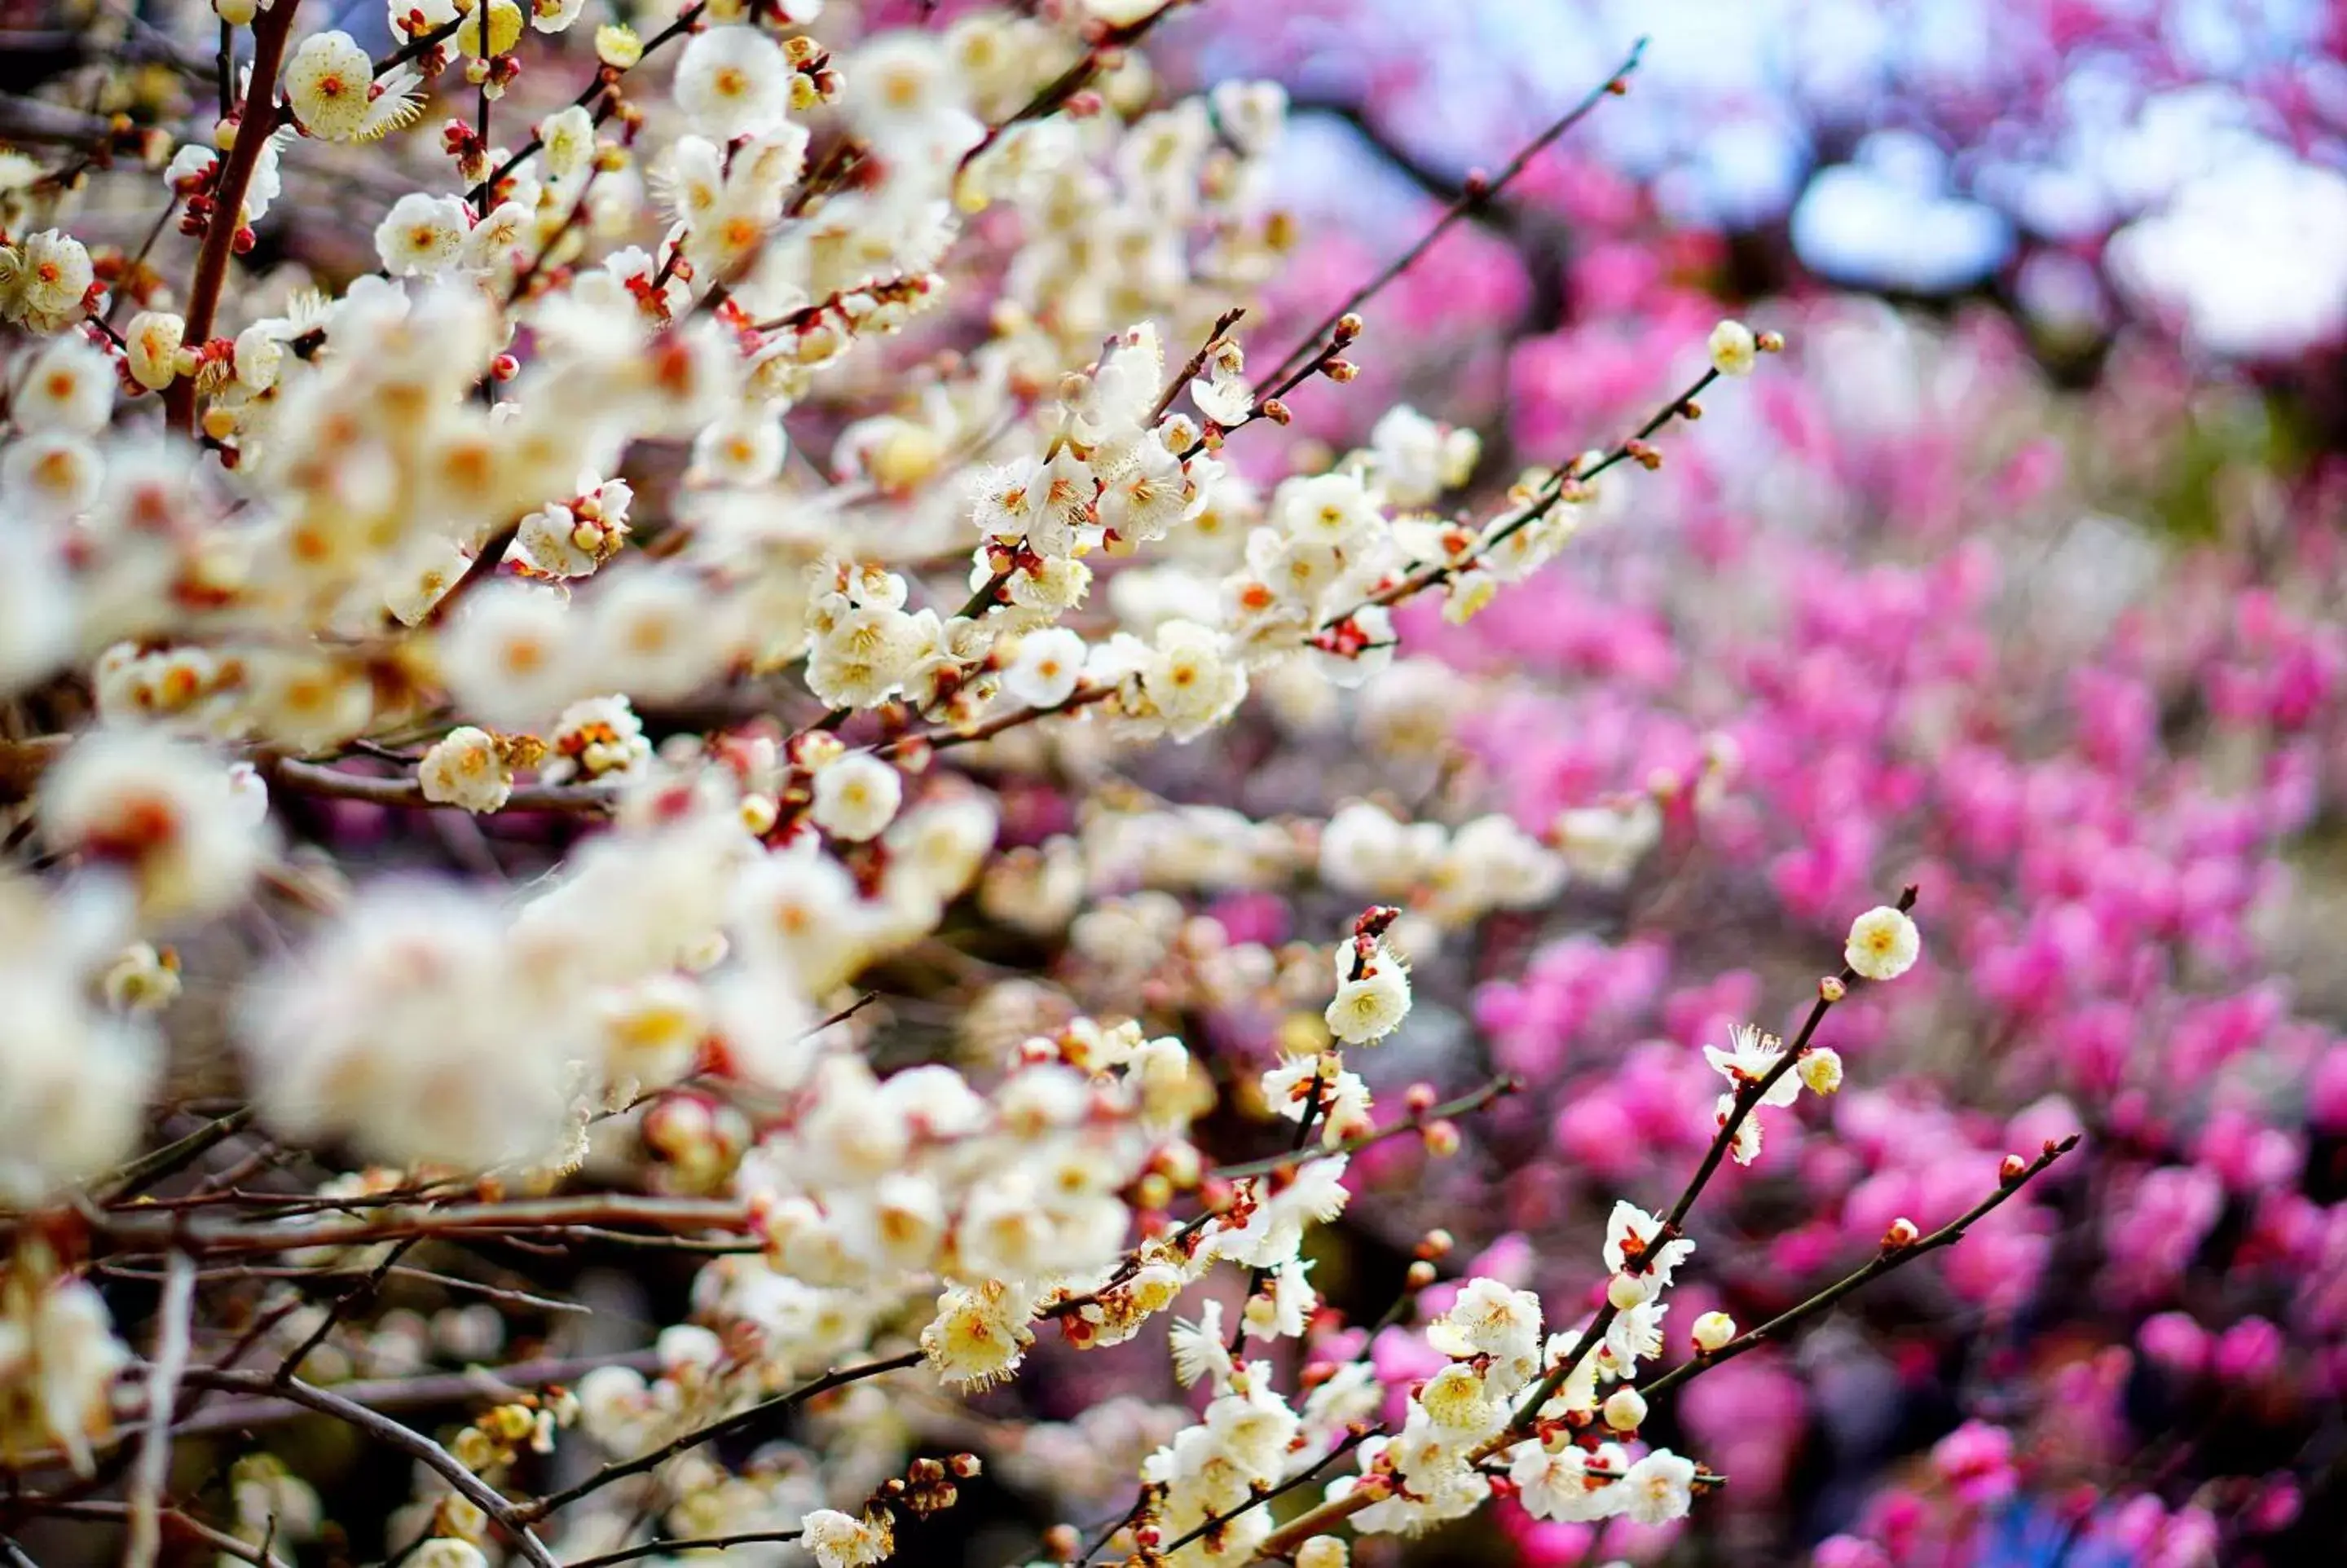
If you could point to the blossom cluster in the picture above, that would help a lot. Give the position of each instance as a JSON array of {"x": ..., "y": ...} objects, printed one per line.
[{"x": 773, "y": 663}]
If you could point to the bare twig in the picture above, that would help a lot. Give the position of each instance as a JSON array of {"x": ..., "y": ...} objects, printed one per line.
[
  {"x": 390, "y": 1433},
  {"x": 1477, "y": 193},
  {"x": 695, "y": 1544},
  {"x": 1883, "y": 1263},
  {"x": 620, "y": 1470},
  {"x": 176, "y": 1316}
]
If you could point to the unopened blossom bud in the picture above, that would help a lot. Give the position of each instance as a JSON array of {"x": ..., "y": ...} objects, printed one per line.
[
  {"x": 1821, "y": 1069},
  {"x": 1215, "y": 1194},
  {"x": 1321, "y": 1551},
  {"x": 1276, "y": 411},
  {"x": 1152, "y": 1192},
  {"x": 1626, "y": 1410},
  {"x": 2011, "y": 1170},
  {"x": 1340, "y": 370},
  {"x": 1418, "y": 1098},
  {"x": 1770, "y": 342},
  {"x": 1831, "y": 990},
  {"x": 1733, "y": 348},
  {"x": 1062, "y": 1542},
  {"x": 448, "y": 1552},
  {"x": 1348, "y": 327},
  {"x": 236, "y": 12},
  {"x": 1421, "y": 1275},
  {"x": 964, "y": 1466},
  {"x": 1712, "y": 1330},
  {"x": 474, "y": 1448},
  {"x": 1902, "y": 1235},
  {"x": 1626, "y": 1290},
  {"x": 1435, "y": 1244},
  {"x": 1442, "y": 1139},
  {"x": 1181, "y": 1163},
  {"x": 151, "y": 348}
]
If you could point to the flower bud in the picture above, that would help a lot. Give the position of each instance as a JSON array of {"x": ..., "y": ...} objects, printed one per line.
[
  {"x": 1626, "y": 1408},
  {"x": 1712, "y": 1330},
  {"x": 1321, "y": 1551},
  {"x": 2012, "y": 1169},
  {"x": 1902, "y": 1235}
]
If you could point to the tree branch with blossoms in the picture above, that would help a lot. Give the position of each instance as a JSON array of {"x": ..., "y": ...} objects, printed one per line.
[{"x": 888, "y": 1043}]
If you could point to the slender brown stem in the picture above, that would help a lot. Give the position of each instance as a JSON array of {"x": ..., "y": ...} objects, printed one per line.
[
  {"x": 411, "y": 1393},
  {"x": 605, "y": 80},
  {"x": 334, "y": 783},
  {"x": 218, "y": 1539},
  {"x": 136, "y": 1230},
  {"x": 391, "y": 1434},
  {"x": 171, "y": 1158},
  {"x": 1884, "y": 1262},
  {"x": 620, "y": 1470},
  {"x": 1545, "y": 502},
  {"x": 271, "y": 30},
  {"x": 695, "y": 1544},
  {"x": 1498, "y": 1087},
  {"x": 1478, "y": 192}
]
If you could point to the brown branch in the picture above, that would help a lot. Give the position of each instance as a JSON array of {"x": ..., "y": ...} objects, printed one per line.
[
  {"x": 620, "y": 1470},
  {"x": 1498, "y": 1089},
  {"x": 409, "y": 1393},
  {"x": 148, "y": 1169},
  {"x": 271, "y": 30},
  {"x": 1542, "y": 504},
  {"x": 695, "y": 1544},
  {"x": 1476, "y": 193},
  {"x": 1884, "y": 1262},
  {"x": 137, "y": 1230},
  {"x": 1070, "y": 82},
  {"x": 391, "y": 1434},
  {"x": 606, "y": 79},
  {"x": 334, "y": 783},
  {"x": 218, "y": 1539}
]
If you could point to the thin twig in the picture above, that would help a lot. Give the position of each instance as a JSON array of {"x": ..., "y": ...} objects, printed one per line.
[
  {"x": 1946, "y": 1236},
  {"x": 336, "y": 783},
  {"x": 620, "y": 1470},
  {"x": 1477, "y": 193},
  {"x": 1497, "y": 1088},
  {"x": 695, "y": 1544},
  {"x": 390, "y": 1433},
  {"x": 176, "y": 1316}
]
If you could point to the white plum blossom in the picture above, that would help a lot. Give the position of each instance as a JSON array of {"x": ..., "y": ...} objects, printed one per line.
[
  {"x": 1046, "y": 668},
  {"x": 1884, "y": 944},
  {"x": 856, "y": 797},
  {"x": 164, "y": 812},
  {"x": 1733, "y": 348},
  {"x": 465, "y": 769},
  {"x": 733, "y": 82},
  {"x": 1373, "y": 995}
]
